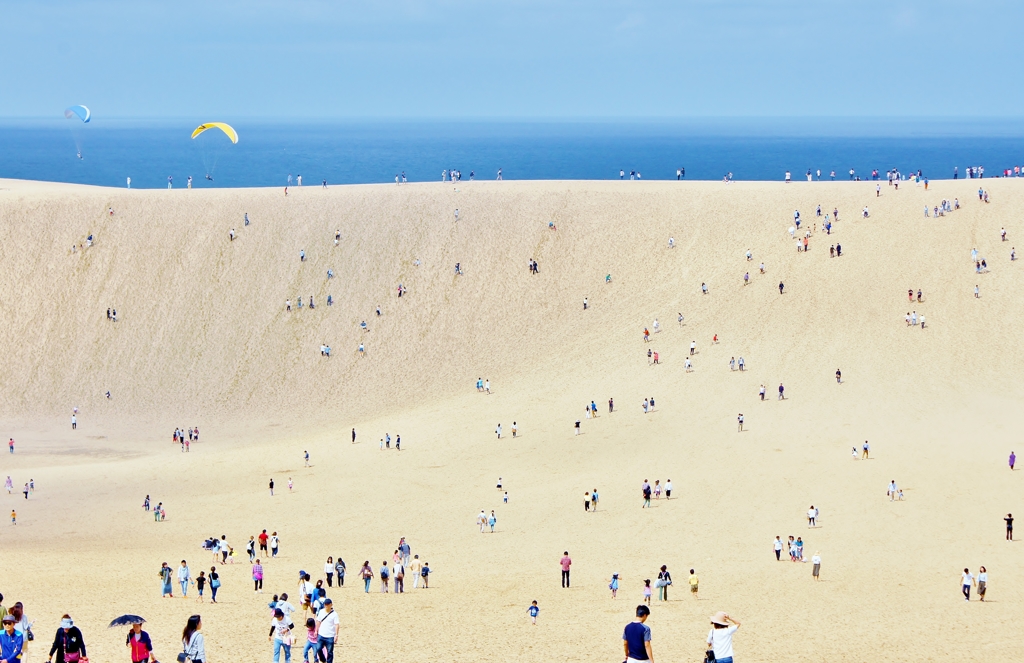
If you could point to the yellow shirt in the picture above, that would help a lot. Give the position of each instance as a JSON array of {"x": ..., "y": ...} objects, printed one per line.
[{"x": 693, "y": 581}]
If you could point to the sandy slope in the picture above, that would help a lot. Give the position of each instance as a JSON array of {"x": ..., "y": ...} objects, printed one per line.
[{"x": 203, "y": 339}]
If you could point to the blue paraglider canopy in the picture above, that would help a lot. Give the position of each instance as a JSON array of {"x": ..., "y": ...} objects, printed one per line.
[{"x": 82, "y": 112}]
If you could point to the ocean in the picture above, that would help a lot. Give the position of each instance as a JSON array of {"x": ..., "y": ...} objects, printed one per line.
[{"x": 375, "y": 151}]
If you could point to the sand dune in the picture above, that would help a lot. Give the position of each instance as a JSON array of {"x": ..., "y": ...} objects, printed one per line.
[{"x": 203, "y": 338}]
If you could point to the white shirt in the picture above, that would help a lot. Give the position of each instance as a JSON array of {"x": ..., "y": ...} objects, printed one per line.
[
  {"x": 273, "y": 542},
  {"x": 811, "y": 513},
  {"x": 329, "y": 567},
  {"x": 720, "y": 640},
  {"x": 668, "y": 485},
  {"x": 816, "y": 559},
  {"x": 778, "y": 544},
  {"x": 280, "y": 627},
  {"x": 967, "y": 579},
  {"x": 328, "y": 624},
  {"x": 983, "y": 577},
  {"x": 183, "y": 573}
]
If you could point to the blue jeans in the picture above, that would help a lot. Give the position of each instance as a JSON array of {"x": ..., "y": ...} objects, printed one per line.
[
  {"x": 184, "y": 587},
  {"x": 322, "y": 642},
  {"x": 367, "y": 582},
  {"x": 278, "y": 646},
  {"x": 310, "y": 646},
  {"x": 727, "y": 659}
]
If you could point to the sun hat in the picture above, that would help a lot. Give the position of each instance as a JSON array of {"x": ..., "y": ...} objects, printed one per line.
[{"x": 720, "y": 618}]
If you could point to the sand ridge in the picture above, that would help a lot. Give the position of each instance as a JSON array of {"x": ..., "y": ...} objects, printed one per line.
[{"x": 203, "y": 339}]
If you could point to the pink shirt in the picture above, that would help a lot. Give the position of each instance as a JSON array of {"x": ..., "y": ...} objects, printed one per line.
[{"x": 566, "y": 562}]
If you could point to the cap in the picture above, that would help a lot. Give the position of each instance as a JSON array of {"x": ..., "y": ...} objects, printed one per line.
[
  {"x": 328, "y": 602},
  {"x": 9, "y": 618},
  {"x": 302, "y": 573}
]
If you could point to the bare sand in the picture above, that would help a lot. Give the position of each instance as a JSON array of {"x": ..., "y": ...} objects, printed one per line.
[{"x": 203, "y": 339}]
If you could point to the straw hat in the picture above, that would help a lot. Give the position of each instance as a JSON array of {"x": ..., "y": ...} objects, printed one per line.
[{"x": 720, "y": 618}]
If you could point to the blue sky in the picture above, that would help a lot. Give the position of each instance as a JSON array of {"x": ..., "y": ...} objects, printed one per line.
[{"x": 512, "y": 59}]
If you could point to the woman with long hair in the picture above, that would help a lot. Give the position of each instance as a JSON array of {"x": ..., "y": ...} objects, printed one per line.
[
  {"x": 329, "y": 571},
  {"x": 367, "y": 574},
  {"x": 192, "y": 643}
]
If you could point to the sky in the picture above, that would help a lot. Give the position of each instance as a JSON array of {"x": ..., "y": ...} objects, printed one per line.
[{"x": 512, "y": 59}]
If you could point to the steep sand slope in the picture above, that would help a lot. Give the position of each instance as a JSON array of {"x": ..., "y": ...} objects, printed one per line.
[{"x": 203, "y": 338}]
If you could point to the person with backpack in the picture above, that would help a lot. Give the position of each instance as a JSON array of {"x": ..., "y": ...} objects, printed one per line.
[
  {"x": 68, "y": 643},
  {"x": 385, "y": 575}
]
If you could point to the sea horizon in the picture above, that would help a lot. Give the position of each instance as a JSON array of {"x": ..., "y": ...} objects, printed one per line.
[{"x": 375, "y": 151}]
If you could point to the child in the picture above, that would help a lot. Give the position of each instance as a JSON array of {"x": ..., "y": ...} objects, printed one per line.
[
  {"x": 200, "y": 585},
  {"x": 533, "y": 610},
  {"x": 14, "y": 517},
  {"x": 310, "y": 640},
  {"x": 614, "y": 586},
  {"x": 694, "y": 581},
  {"x": 506, "y": 497},
  {"x": 647, "y": 591},
  {"x": 425, "y": 574}
]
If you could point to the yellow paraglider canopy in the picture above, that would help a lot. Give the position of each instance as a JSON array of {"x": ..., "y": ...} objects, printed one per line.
[{"x": 226, "y": 128}]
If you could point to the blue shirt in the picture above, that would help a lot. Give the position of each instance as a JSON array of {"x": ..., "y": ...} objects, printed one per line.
[
  {"x": 10, "y": 646},
  {"x": 534, "y": 610},
  {"x": 635, "y": 635}
]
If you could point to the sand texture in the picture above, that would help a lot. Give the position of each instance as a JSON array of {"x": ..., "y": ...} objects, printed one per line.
[{"x": 203, "y": 338}]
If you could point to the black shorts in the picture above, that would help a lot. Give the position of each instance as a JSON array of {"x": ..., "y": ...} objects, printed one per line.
[{"x": 668, "y": 493}]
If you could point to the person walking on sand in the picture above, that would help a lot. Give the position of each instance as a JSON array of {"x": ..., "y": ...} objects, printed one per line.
[
  {"x": 782, "y": 391},
  {"x": 1009, "y": 526},
  {"x": 812, "y": 517},
  {"x": 533, "y": 611},
  {"x": 366, "y": 573},
  {"x": 281, "y": 636},
  {"x": 663, "y": 582},
  {"x": 982, "y": 583},
  {"x": 565, "y": 563},
  {"x": 139, "y": 644},
  {"x": 614, "y": 584},
  {"x": 739, "y": 420},
  {"x": 275, "y": 543},
  {"x": 166, "y": 574},
  {"x": 636, "y": 638},
  {"x": 694, "y": 583},
  {"x": 257, "y": 577},
  {"x": 184, "y": 578},
  {"x": 271, "y": 486},
  {"x": 966, "y": 582},
  {"x": 214, "y": 583},
  {"x": 719, "y": 639},
  {"x": 1013, "y": 461},
  {"x": 777, "y": 547},
  {"x": 193, "y": 644},
  {"x": 816, "y": 568},
  {"x": 68, "y": 642},
  {"x": 865, "y": 450}
]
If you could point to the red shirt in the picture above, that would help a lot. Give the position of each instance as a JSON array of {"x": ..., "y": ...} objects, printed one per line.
[
  {"x": 566, "y": 562},
  {"x": 263, "y": 539}
]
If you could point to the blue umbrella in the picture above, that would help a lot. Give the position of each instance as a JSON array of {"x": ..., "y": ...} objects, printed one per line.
[{"x": 127, "y": 620}]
